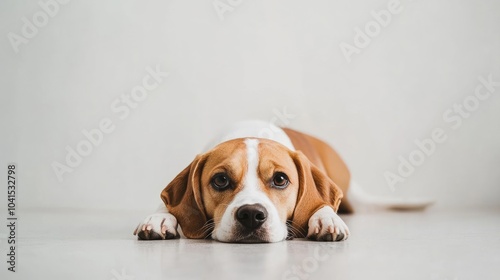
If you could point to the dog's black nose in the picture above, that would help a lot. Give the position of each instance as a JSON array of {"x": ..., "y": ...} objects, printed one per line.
[{"x": 251, "y": 216}]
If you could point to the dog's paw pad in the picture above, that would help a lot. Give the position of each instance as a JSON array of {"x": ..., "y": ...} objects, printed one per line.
[
  {"x": 158, "y": 226},
  {"x": 326, "y": 225}
]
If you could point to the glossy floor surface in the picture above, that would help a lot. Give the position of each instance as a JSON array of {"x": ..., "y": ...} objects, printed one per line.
[{"x": 434, "y": 244}]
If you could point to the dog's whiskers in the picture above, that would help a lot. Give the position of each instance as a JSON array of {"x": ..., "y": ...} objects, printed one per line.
[
  {"x": 207, "y": 228},
  {"x": 295, "y": 230}
]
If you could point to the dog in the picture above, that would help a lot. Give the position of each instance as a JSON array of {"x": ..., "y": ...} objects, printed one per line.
[{"x": 256, "y": 183}]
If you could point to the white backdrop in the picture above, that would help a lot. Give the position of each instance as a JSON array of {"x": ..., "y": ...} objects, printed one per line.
[{"x": 66, "y": 68}]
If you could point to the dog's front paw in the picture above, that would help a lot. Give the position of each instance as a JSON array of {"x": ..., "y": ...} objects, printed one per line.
[
  {"x": 326, "y": 225},
  {"x": 157, "y": 226}
]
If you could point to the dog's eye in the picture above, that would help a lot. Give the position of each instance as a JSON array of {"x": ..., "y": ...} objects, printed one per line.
[
  {"x": 280, "y": 180},
  {"x": 220, "y": 182}
]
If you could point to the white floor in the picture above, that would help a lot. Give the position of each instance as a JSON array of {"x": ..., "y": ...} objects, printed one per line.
[{"x": 434, "y": 244}]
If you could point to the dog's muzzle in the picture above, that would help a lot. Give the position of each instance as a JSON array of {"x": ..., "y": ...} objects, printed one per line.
[{"x": 251, "y": 216}]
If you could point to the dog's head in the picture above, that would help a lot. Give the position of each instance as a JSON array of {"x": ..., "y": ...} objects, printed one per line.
[{"x": 249, "y": 190}]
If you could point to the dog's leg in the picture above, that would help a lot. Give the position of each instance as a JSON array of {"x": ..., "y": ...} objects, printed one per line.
[
  {"x": 158, "y": 226},
  {"x": 326, "y": 225}
]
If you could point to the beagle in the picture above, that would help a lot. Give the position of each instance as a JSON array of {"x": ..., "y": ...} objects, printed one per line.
[{"x": 259, "y": 183}]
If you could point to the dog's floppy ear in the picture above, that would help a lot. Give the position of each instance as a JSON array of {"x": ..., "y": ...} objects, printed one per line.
[
  {"x": 183, "y": 199},
  {"x": 316, "y": 190}
]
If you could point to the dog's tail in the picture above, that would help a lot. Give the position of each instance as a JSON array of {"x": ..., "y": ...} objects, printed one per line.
[{"x": 360, "y": 199}]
